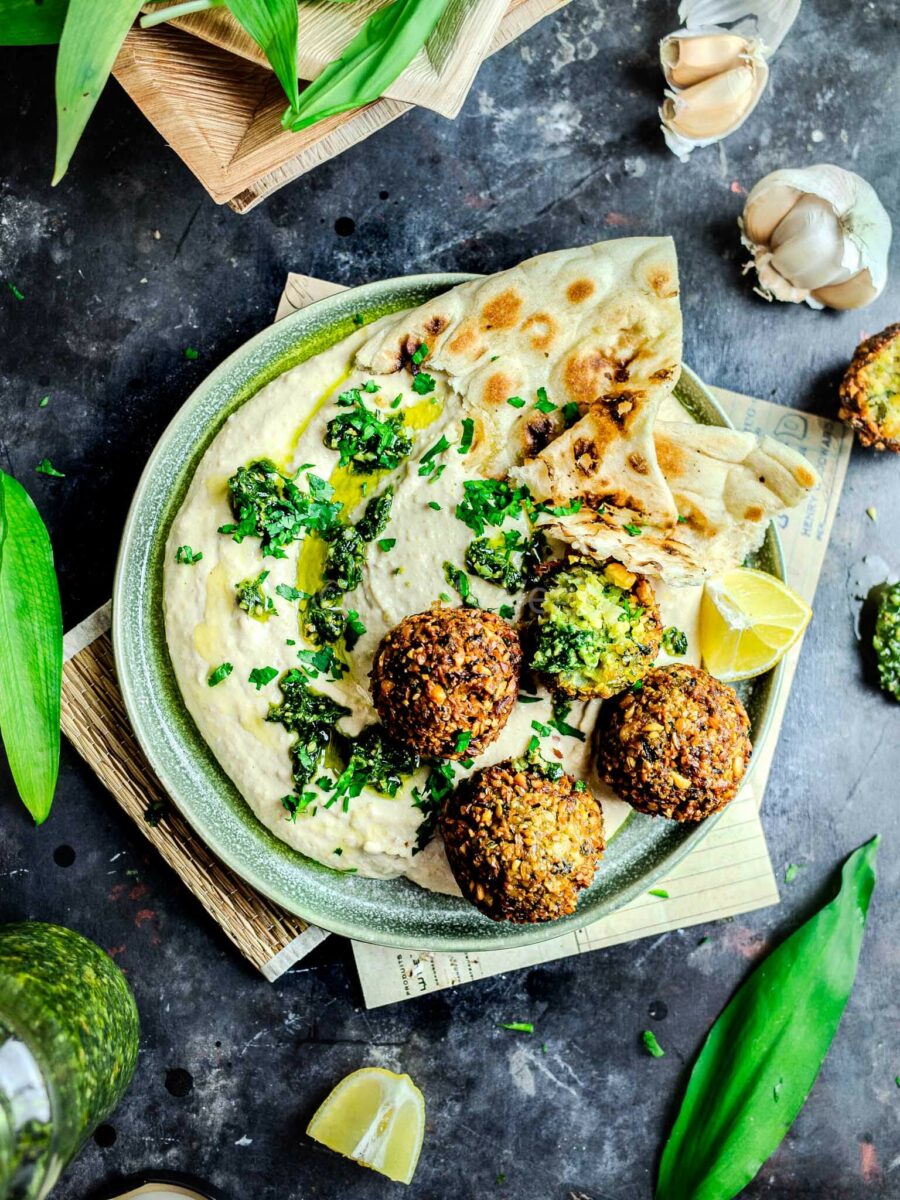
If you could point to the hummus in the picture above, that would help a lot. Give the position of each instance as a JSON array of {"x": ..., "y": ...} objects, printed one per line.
[{"x": 403, "y": 572}]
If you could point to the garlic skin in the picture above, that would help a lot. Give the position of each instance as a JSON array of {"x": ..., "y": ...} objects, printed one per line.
[
  {"x": 818, "y": 235},
  {"x": 716, "y": 75}
]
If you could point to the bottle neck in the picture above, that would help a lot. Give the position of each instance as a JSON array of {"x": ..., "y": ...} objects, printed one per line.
[{"x": 27, "y": 1138}]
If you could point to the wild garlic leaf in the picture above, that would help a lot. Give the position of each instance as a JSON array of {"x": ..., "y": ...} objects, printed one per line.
[
  {"x": 28, "y": 23},
  {"x": 384, "y": 47},
  {"x": 91, "y": 38},
  {"x": 763, "y": 1054},
  {"x": 273, "y": 26},
  {"x": 30, "y": 649}
]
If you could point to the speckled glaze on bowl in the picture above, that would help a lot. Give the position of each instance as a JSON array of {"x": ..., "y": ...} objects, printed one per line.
[{"x": 392, "y": 913}]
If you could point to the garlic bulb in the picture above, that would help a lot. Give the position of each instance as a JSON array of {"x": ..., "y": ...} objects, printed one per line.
[
  {"x": 818, "y": 234},
  {"x": 715, "y": 75}
]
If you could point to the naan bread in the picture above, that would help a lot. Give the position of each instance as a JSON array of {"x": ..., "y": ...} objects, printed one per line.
[
  {"x": 598, "y": 327},
  {"x": 727, "y": 486}
]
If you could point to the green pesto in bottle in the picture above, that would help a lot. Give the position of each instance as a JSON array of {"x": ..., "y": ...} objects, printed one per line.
[{"x": 68, "y": 1048}]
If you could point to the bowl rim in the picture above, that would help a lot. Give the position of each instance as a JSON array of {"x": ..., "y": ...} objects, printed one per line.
[{"x": 507, "y": 936}]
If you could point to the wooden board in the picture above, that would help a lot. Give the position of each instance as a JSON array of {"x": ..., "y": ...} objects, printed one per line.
[{"x": 221, "y": 113}]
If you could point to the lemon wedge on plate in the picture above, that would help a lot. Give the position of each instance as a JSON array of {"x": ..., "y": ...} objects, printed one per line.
[
  {"x": 748, "y": 622},
  {"x": 376, "y": 1118}
]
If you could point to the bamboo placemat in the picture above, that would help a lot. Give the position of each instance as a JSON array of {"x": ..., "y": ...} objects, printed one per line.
[
  {"x": 221, "y": 113},
  {"x": 95, "y": 722}
]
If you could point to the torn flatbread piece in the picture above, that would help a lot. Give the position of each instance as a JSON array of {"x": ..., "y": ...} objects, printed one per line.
[
  {"x": 727, "y": 486},
  {"x": 598, "y": 329}
]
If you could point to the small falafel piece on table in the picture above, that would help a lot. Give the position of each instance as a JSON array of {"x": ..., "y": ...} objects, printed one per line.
[
  {"x": 522, "y": 846},
  {"x": 445, "y": 681},
  {"x": 870, "y": 391},
  {"x": 598, "y": 629},
  {"x": 677, "y": 748}
]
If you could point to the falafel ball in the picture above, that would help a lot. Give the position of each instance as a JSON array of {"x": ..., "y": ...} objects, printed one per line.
[
  {"x": 870, "y": 391},
  {"x": 522, "y": 846},
  {"x": 677, "y": 748},
  {"x": 598, "y": 628},
  {"x": 445, "y": 681}
]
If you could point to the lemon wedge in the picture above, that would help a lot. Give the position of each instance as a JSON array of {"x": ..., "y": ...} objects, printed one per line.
[
  {"x": 748, "y": 622},
  {"x": 376, "y": 1118}
]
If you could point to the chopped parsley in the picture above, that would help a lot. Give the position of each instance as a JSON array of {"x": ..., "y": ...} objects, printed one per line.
[
  {"x": 427, "y": 463},
  {"x": 571, "y": 413},
  {"x": 46, "y": 467},
  {"x": 375, "y": 760},
  {"x": 543, "y": 404},
  {"x": 660, "y": 892},
  {"x": 632, "y": 529},
  {"x": 366, "y": 441},
  {"x": 438, "y": 786},
  {"x": 516, "y": 402},
  {"x": 526, "y": 699},
  {"x": 561, "y": 709},
  {"x": 185, "y": 555},
  {"x": 674, "y": 641},
  {"x": 459, "y": 581},
  {"x": 517, "y": 1026},
  {"x": 261, "y": 676},
  {"x": 220, "y": 673},
  {"x": 506, "y": 611},
  {"x": 252, "y": 598},
  {"x": 540, "y": 728},
  {"x": 286, "y": 592},
  {"x": 355, "y": 629},
  {"x": 490, "y": 502},
  {"x": 294, "y": 805},
  {"x": 19, "y": 295},
  {"x": 434, "y": 505},
  {"x": 357, "y": 319},
  {"x": 386, "y": 544},
  {"x": 191, "y": 354},
  {"x": 269, "y": 505},
  {"x": 312, "y": 717},
  {"x": 420, "y": 354},
  {"x": 462, "y": 740},
  {"x": 43, "y": 402},
  {"x": 682, "y": 520},
  {"x": 371, "y": 386},
  {"x": 323, "y": 660},
  {"x": 651, "y": 1045},
  {"x": 791, "y": 872},
  {"x": 396, "y": 402},
  {"x": 468, "y": 435},
  {"x": 423, "y": 383}
]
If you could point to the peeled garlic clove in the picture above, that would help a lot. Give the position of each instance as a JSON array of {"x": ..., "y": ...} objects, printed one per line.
[
  {"x": 713, "y": 108},
  {"x": 688, "y": 58},
  {"x": 820, "y": 235}
]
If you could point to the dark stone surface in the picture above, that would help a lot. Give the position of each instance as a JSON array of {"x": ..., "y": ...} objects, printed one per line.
[{"x": 557, "y": 145}]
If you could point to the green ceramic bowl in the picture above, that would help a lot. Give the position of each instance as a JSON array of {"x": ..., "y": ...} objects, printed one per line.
[{"x": 395, "y": 913}]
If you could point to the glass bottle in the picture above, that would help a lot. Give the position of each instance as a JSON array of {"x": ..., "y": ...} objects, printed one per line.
[{"x": 68, "y": 1048}]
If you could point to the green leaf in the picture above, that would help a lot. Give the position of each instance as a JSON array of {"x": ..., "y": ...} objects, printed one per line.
[
  {"x": 383, "y": 48},
  {"x": 764, "y": 1052},
  {"x": 91, "y": 38},
  {"x": 30, "y": 649},
  {"x": 31, "y": 22},
  {"x": 273, "y": 26}
]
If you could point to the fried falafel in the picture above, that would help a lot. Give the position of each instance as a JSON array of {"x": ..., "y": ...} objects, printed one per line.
[
  {"x": 598, "y": 628},
  {"x": 870, "y": 391},
  {"x": 678, "y": 747},
  {"x": 522, "y": 845},
  {"x": 445, "y": 681}
]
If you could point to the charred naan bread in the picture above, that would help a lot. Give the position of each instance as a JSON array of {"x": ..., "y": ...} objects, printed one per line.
[
  {"x": 599, "y": 328},
  {"x": 727, "y": 486}
]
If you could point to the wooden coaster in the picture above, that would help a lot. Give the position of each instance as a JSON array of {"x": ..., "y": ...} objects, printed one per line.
[
  {"x": 95, "y": 722},
  {"x": 221, "y": 113}
]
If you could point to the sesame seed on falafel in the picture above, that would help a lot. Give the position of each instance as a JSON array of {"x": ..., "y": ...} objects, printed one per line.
[
  {"x": 521, "y": 845},
  {"x": 445, "y": 681},
  {"x": 679, "y": 747}
]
